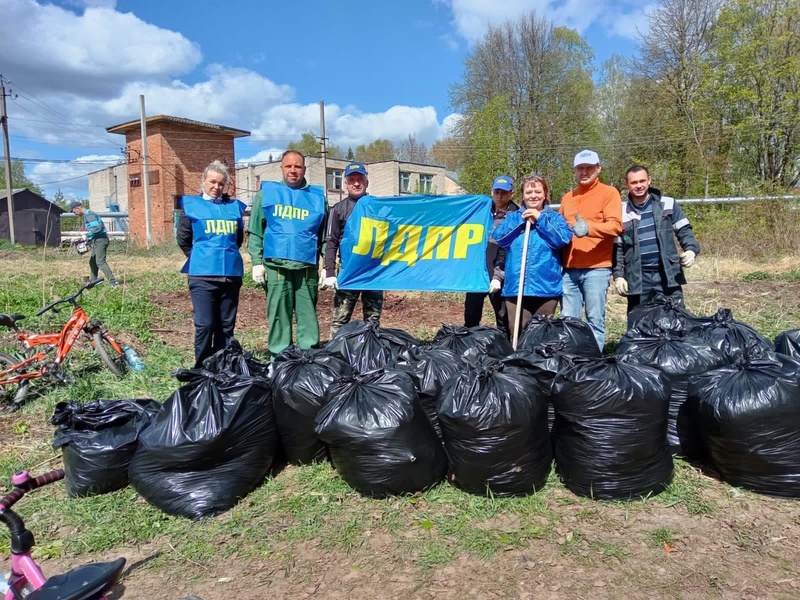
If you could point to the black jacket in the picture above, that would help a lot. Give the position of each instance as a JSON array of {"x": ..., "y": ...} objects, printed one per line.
[
  {"x": 336, "y": 221},
  {"x": 671, "y": 222},
  {"x": 495, "y": 255}
]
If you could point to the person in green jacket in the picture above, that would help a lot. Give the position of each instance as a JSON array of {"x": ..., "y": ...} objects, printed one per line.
[
  {"x": 98, "y": 238},
  {"x": 286, "y": 232}
]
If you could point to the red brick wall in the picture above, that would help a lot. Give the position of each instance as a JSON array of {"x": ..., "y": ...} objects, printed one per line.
[{"x": 177, "y": 156}]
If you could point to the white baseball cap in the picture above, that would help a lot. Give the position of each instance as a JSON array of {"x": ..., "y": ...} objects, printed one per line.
[{"x": 586, "y": 157}]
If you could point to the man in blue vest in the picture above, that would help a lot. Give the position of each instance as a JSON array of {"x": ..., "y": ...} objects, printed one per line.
[
  {"x": 98, "y": 238},
  {"x": 287, "y": 231}
]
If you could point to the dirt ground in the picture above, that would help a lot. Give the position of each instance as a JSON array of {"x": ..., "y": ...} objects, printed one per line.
[{"x": 405, "y": 310}]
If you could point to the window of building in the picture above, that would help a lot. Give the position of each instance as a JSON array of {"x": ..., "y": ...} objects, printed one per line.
[
  {"x": 334, "y": 179},
  {"x": 405, "y": 182},
  {"x": 135, "y": 179},
  {"x": 425, "y": 183},
  {"x": 153, "y": 177}
]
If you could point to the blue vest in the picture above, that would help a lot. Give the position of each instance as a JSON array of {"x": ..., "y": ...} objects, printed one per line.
[
  {"x": 215, "y": 228},
  {"x": 293, "y": 221}
]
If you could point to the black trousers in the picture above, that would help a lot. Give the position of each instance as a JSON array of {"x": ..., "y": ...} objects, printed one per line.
[
  {"x": 473, "y": 310},
  {"x": 215, "y": 304}
]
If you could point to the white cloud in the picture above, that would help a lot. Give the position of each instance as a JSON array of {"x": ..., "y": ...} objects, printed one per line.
[
  {"x": 472, "y": 18},
  {"x": 630, "y": 24},
  {"x": 349, "y": 127},
  {"x": 69, "y": 177},
  {"x": 92, "y": 54}
]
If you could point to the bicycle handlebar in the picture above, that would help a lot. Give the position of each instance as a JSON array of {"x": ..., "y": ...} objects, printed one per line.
[
  {"x": 71, "y": 299},
  {"x": 27, "y": 484}
]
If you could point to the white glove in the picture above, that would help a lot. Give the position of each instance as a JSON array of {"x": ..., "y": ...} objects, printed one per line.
[
  {"x": 494, "y": 286},
  {"x": 259, "y": 274},
  {"x": 330, "y": 283},
  {"x": 581, "y": 227},
  {"x": 622, "y": 286},
  {"x": 687, "y": 258}
]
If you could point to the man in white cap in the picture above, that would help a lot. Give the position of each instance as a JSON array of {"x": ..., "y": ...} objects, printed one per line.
[
  {"x": 502, "y": 191},
  {"x": 594, "y": 211}
]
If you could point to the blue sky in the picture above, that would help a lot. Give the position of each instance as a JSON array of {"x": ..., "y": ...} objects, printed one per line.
[{"x": 383, "y": 68}]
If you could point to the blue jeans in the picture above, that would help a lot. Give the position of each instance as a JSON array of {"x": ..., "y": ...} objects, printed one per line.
[{"x": 587, "y": 288}]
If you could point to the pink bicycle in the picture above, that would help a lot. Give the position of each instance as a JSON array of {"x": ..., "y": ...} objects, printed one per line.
[{"x": 26, "y": 580}]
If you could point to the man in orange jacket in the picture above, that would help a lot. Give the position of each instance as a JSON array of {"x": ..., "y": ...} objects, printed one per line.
[{"x": 594, "y": 211}]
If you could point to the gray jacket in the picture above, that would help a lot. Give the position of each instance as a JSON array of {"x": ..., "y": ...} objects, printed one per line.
[{"x": 671, "y": 222}]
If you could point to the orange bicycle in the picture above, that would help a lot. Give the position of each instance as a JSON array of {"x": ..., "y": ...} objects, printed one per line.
[{"x": 45, "y": 353}]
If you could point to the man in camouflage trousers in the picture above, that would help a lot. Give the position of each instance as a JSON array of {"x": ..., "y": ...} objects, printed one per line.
[{"x": 344, "y": 302}]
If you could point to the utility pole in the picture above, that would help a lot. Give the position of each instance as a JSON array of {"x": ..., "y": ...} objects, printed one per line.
[
  {"x": 9, "y": 183},
  {"x": 145, "y": 178},
  {"x": 323, "y": 149}
]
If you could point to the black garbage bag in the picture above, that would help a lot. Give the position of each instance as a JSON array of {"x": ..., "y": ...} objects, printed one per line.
[
  {"x": 544, "y": 361},
  {"x": 237, "y": 360},
  {"x": 210, "y": 446},
  {"x": 576, "y": 334},
  {"x": 472, "y": 342},
  {"x": 98, "y": 441},
  {"x": 728, "y": 335},
  {"x": 494, "y": 426},
  {"x": 662, "y": 313},
  {"x": 367, "y": 346},
  {"x": 378, "y": 436},
  {"x": 299, "y": 383},
  {"x": 610, "y": 434},
  {"x": 680, "y": 357},
  {"x": 788, "y": 343},
  {"x": 749, "y": 417},
  {"x": 430, "y": 367}
]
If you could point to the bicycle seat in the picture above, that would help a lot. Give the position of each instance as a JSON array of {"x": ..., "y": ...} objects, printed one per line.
[
  {"x": 9, "y": 320},
  {"x": 84, "y": 583}
]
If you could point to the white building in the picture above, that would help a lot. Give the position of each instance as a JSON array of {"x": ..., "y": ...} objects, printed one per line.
[{"x": 386, "y": 178}]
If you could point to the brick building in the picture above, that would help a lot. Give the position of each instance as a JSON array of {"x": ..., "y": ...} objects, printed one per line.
[
  {"x": 178, "y": 151},
  {"x": 386, "y": 178}
]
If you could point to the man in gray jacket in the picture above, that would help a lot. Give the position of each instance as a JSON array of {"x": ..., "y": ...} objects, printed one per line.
[{"x": 646, "y": 261}]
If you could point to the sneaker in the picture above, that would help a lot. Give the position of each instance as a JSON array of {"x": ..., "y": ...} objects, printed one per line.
[{"x": 114, "y": 284}]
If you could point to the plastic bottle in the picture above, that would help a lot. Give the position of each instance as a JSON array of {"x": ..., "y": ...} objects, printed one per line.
[
  {"x": 5, "y": 579},
  {"x": 133, "y": 359}
]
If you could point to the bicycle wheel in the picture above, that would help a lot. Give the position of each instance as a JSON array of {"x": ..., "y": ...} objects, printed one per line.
[
  {"x": 12, "y": 396},
  {"x": 109, "y": 352}
]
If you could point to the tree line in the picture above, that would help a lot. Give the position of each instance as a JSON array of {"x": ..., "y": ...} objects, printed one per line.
[{"x": 710, "y": 103}]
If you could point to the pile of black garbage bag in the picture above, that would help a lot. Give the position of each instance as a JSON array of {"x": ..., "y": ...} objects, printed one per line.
[{"x": 397, "y": 417}]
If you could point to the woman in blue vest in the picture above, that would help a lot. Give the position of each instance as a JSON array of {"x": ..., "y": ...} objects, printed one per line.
[{"x": 210, "y": 233}]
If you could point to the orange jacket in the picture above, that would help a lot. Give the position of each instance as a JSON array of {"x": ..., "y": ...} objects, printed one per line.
[{"x": 601, "y": 207}]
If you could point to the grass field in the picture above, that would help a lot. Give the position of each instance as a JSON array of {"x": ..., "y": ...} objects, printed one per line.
[{"x": 305, "y": 534}]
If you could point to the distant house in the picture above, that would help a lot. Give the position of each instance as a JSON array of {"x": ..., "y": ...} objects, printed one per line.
[
  {"x": 386, "y": 178},
  {"x": 37, "y": 221}
]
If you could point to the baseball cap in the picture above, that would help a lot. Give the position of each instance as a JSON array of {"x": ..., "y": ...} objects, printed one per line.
[
  {"x": 355, "y": 167},
  {"x": 503, "y": 182},
  {"x": 75, "y": 204},
  {"x": 586, "y": 157}
]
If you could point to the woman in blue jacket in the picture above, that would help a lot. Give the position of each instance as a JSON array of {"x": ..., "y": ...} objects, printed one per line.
[
  {"x": 210, "y": 233},
  {"x": 549, "y": 233}
]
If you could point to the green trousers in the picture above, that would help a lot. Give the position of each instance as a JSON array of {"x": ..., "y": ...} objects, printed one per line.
[
  {"x": 97, "y": 262},
  {"x": 291, "y": 292}
]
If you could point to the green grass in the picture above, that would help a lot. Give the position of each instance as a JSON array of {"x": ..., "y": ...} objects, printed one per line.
[{"x": 311, "y": 505}]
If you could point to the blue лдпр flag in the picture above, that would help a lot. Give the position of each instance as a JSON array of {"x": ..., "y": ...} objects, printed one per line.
[{"x": 424, "y": 243}]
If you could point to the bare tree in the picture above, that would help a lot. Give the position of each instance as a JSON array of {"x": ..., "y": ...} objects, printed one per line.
[
  {"x": 526, "y": 91},
  {"x": 674, "y": 56},
  {"x": 410, "y": 150}
]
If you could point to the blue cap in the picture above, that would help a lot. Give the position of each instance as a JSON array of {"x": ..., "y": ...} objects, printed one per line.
[
  {"x": 75, "y": 204},
  {"x": 355, "y": 168},
  {"x": 503, "y": 182}
]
